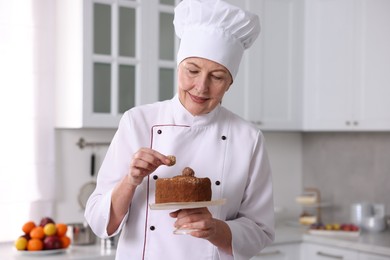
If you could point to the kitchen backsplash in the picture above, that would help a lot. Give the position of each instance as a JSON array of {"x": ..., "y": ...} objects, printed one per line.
[
  {"x": 347, "y": 168},
  {"x": 74, "y": 169}
]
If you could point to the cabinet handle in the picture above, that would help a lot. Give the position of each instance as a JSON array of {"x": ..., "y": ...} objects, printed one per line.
[
  {"x": 329, "y": 255},
  {"x": 355, "y": 122},
  {"x": 347, "y": 123},
  {"x": 275, "y": 252},
  {"x": 257, "y": 122}
]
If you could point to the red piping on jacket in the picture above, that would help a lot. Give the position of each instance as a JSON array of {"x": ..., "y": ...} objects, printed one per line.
[{"x": 147, "y": 189}]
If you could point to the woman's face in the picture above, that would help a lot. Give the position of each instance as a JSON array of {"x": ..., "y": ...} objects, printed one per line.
[{"x": 202, "y": 84}]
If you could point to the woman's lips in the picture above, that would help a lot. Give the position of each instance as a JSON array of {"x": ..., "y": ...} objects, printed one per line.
[{"x": 198, "y": 99}]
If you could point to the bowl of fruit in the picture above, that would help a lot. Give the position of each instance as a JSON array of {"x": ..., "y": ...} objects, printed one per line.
[
  {"x": 45, "y": 237},
  {"x": 334, "y": 229}
]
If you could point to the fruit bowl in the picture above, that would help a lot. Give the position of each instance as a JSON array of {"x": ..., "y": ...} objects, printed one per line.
[
  {"x": 41, "y": 252},
  {"x": 340, "y": 230},
  {"x": 44, "y": 237}
]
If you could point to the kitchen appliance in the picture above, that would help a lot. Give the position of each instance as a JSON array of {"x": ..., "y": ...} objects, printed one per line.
[
  {"x": 368, "y": 216},
  {"x": 374, "y": 224},
  {"x": 81, "y": 234},
  {"x": 359, "y": 212}
]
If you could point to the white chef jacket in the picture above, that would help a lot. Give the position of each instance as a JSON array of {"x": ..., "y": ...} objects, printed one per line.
[{"x": 219, "y": 145}]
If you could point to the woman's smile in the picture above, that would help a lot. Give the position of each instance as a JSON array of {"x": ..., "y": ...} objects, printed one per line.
[{"x": 197, "y": 99}]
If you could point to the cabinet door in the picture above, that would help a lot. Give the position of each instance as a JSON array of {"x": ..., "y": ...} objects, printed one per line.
[
  {"x": 373, "y": 106},
  {"x": 366, "y": 256},
  {"x": 111, "y": 56},
  {"x": 320, "y": 252},
  {"x": 347, "y": 60},
  {"x": 268, "y": 90},
  {"x": 280, "y": 252},
  {"x": 329, "y": 61}
]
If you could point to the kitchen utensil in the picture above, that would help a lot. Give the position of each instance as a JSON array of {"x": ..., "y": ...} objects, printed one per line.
[
  {"x": 360, "y": 211},
  {"x": 109, "y": 243},
  {"x": 87, "y": 189},
  {"x": 81, "y": 234},
  {"x": 374, "y": 224},
  {"x": 378, "y": 210}
]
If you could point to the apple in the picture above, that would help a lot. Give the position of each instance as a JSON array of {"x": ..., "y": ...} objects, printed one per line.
[
  {"x": 51, "y": 242},
  {"x": 26, "y": 236},
  {"x": 354, "y": 228},
  {"x": 46, "y": 220}
]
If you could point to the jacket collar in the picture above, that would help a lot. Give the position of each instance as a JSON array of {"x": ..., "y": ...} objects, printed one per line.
[{"x": 182, "y": 116}]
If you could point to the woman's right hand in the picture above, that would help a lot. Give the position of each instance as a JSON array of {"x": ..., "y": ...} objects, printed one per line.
[{"x": 144, "y": 162}]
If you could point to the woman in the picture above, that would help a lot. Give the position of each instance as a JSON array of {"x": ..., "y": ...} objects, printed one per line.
[{"x": 203, "y": 135}]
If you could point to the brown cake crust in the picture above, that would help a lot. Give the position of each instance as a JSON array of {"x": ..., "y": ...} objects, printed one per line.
[{"x": 184, "y": 188}]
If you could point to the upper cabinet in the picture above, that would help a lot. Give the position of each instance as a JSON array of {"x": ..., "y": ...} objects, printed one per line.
[
  {"x": 318, "y": 65},
  {"x": 112, "y": 55},
  {"x": 347, "y": 65},
  {"x": 268, "y": 88}
]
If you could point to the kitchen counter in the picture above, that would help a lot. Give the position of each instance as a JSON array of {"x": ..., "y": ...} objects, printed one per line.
[
  {"x": 374, "y": 243},
  {"x": 92, "y": 252},
  {"x": 367, "y": 242}
]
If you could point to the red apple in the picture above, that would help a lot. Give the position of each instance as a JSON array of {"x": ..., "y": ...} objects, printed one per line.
[
  {"x": 46, "y": 220},
  {"x": 51, "y": 242},
  {"x": 26, "y": 236}
]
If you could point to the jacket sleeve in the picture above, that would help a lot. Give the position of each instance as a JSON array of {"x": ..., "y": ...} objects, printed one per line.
[
  {"x": 253, "y": 229},
  {"x": 114, "y": 167}
]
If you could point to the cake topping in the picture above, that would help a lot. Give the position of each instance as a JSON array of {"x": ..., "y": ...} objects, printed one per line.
[
  {"x": 172, "y": 158},
  {"x": 187, "y": 171}
]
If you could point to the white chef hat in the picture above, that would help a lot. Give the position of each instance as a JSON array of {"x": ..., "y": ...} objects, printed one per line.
[{"x": 214, "y": 30}]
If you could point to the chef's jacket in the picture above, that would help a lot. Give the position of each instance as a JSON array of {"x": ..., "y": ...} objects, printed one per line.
[{"x": 219, "y": 145}]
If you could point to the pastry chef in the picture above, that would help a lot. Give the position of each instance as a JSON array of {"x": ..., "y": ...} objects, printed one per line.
[{"x": 203, "y": 135}]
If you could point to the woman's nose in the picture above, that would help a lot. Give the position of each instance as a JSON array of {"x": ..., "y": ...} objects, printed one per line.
[{"x": 202, "y": 84}]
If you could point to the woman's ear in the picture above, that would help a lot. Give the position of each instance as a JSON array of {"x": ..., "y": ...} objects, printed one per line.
[{"x": 229, "y": 86}]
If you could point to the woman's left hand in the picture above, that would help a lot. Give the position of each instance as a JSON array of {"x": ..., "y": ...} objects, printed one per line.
[
  {"x": 199, "y": 219},
  {"x": 205, "y": 226}
]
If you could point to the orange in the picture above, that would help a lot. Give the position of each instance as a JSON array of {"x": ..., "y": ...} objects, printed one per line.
[
  {"x": 34, "y": 244},
  {"x": 28, "y": 226},
  {"x": 37, "y": 232},
  {"x": 61, "y": 229},
  {"x": 65, "y": 241}
]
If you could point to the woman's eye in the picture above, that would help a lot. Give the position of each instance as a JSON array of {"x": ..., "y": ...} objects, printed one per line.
[
  {"x": 192, "y": 71},
  {"x": 217, "y": 78}
]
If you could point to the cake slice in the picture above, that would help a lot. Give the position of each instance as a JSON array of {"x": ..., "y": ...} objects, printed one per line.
[{"x": 183, "y": 188}]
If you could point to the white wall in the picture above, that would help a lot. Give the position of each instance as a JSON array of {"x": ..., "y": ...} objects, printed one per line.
[
  {"x": 73, "y": 169},
  {"x": 285, "y": 152}
]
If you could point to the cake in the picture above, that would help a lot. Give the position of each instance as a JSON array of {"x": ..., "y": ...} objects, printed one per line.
[{"x": 183, "y": 188}]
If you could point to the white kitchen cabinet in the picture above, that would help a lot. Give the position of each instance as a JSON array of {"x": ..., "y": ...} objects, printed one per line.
[
  {"x": 268, "y": 89},
  {"x": 289, "y": 251},
  {"x": 320, "y": 252},
  {"x": 112, "y": 55},
  {"x": 347, "y": 64},
  {"x": 367, "y": 256}
]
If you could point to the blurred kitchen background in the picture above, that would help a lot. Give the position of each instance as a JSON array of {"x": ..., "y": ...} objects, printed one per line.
[{"x": 316, "y": 82}]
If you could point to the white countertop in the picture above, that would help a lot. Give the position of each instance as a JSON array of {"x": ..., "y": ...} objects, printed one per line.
[
  {"x": 91, "y": 252},
  {"x": 375, "y": 243}
]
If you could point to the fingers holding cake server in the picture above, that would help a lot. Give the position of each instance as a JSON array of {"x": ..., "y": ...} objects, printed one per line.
[
  {"x": 145, "y": 161},
  {"x": 199, "y": 222}
]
